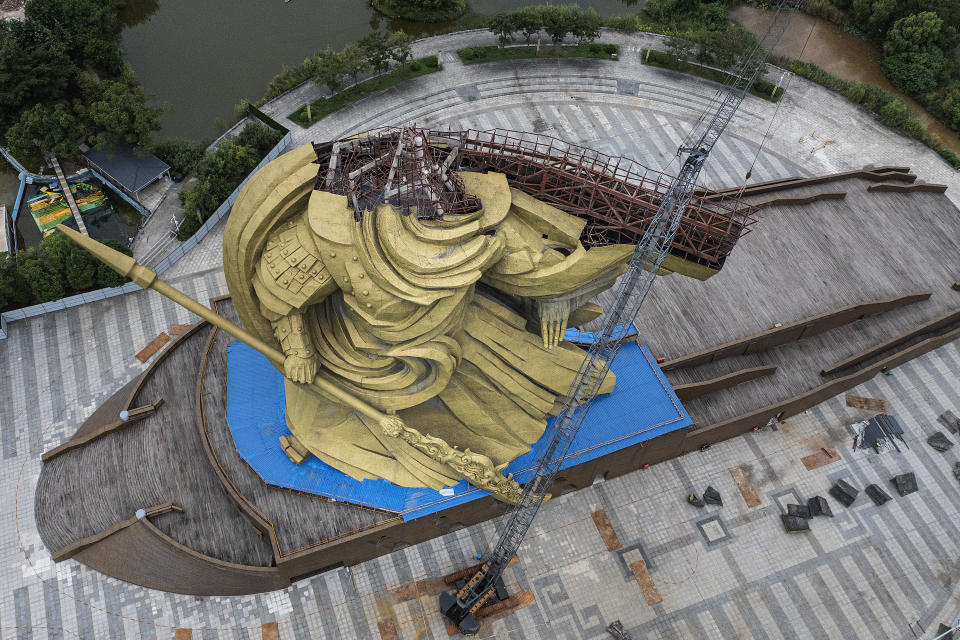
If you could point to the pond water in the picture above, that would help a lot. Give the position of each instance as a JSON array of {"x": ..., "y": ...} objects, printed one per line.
[
  {"x": 202, "y": 58},
  {"x": 842, "y": 54}
]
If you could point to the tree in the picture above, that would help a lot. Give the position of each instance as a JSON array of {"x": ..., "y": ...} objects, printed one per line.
[
  {"x": 914, "y": 33},
  {"x": 89, "y": 29},
  {"x": 915, "y": 72},
  {"x": 400, "y": 46},
  {"x": 728, "y": 47},
  {"x": 81, "y": 270},
  {"x": 679, "y": 48},
  {"x": 911, "y": 58},
  {"x": 354, "y": 61},
  {"x": 107, "y": 277},
  {"x": 528, "y": 21},
  {"x": 55, "y": 249},
  {"x": 716, "y": 16},
  {"x": 502, "y": 25},
  {"x": 874, "y": 16},
  {"x": 376, "y": 47},
  {"x": 585, "y": 25},
  {"x": 181, "y": 155},
  {"x": 116, "y": 109},
  {"x": 34, "y": 67},
  {"x": 14, "y": 290},
  {"x": 556, "y": 21},
  {"x": 51, "y": 129},
  {"x": 330, "y": 69},
  {"x": 44, "y": 281}
]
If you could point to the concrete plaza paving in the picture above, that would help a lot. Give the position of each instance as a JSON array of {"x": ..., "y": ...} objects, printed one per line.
[{"x": 725, "y": 572}]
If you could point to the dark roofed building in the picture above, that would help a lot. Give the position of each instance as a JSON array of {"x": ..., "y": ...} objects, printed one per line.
[{"x": 132, "y": 169}]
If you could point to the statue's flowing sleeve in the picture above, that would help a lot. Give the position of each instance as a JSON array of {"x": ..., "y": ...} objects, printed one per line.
[{"x": 546, "y": 263}]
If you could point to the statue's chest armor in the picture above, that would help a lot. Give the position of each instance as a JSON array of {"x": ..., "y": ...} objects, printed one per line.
[{"x": 363, "y": 292}]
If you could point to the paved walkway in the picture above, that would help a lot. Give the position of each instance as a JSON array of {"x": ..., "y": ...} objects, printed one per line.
[{"x": 881, "y": 572}]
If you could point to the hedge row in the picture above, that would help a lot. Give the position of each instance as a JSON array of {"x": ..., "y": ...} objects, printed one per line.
[{"x": 476, "y": 55}]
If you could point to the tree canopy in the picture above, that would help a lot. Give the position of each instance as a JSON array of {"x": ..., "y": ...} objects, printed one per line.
[
  {"x": 63, "y": 80},
  {"x": 919, "y": 40}
]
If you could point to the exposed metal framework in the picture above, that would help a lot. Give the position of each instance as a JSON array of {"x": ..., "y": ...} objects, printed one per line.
[
  {"x": 631, "y": 291},
  {"x": 413, "y": 168},
  {"x": 394, "y": 166},
  {"x": 618, "y": 196}
]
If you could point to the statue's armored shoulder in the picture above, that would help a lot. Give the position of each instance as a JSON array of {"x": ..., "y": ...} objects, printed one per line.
[{"x": 290, "y": 272}]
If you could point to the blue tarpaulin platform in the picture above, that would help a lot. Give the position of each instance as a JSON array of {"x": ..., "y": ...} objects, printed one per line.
[{"x": 643, "y": 406}]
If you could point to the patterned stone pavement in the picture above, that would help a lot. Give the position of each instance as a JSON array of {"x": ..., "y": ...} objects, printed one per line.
[{"x": 731, "y": 571}]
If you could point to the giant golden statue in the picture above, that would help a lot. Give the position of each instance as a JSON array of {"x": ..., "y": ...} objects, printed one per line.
[{"x": 439, "y": 296}]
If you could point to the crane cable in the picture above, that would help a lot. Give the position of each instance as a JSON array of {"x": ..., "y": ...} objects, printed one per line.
[{"x": 776, "y": 112}]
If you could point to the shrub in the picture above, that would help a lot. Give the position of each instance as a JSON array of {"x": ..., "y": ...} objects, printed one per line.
[
  {"x": 818, "y": 75},
  {"x": 875, "y": 98},
  {"x": 627, "y": 24},
  {"x": 468, "y": 53},
  {"x": 594, "y": 48},
  {"x": 610, "y": 49},
  {"x": 856, "y": 93},
  {"x": 895, "y": 113},
  {"x": 431, "y": 62},
  {"x": 913, "y": 128},
  {"x": 415, "y": 66},
  {"x": 951, "y": 157}
]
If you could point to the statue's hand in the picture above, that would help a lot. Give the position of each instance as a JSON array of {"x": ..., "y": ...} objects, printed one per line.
[
  {"x": 553, "y": 320},
  {"x": 300, "y": 369}
]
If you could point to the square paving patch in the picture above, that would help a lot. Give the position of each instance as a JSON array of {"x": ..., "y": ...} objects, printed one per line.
[
  {"x": 713, "y": 530},
  {"x": 788, "y": 495}
]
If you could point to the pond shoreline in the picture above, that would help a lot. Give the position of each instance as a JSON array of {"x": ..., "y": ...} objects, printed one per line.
[{"x": 846, "y": 56}]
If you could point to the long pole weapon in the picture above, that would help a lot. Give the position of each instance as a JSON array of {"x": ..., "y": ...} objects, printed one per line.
[{"x": 477, "y": 468}]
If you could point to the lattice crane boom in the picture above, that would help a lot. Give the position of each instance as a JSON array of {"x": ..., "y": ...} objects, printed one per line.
[{"x": 631, "y": 290}]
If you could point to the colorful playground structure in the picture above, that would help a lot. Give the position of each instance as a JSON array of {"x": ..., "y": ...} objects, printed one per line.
[{"x": 50, "y": 208}]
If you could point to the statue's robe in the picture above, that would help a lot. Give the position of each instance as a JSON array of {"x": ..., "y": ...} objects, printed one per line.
[{"x": 433, "y": 319}]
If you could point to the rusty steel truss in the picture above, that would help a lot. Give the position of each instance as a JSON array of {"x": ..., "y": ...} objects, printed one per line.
[{"x": 617, "y": 196}]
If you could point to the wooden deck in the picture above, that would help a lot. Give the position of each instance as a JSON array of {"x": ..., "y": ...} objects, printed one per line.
[
  {"x": 161, "y": 458},
  {"x": 157, "y": 460},
  {"x": 300, "y": 519},
  {"x": 801, "y": 261}
]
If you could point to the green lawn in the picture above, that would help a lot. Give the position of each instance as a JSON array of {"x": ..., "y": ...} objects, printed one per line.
[
  {"x": 322, "y": 107},
  {"x": 760, "y": 87},
  {"x": 477, "y": 55}
]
